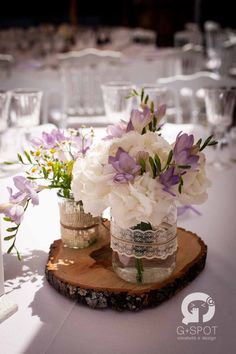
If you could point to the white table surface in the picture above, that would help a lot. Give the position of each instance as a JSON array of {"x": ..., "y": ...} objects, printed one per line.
[{"x": 47, "y": 322}]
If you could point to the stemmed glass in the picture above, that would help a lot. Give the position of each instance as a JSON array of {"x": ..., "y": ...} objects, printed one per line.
[
  {"x": 25, "y": 110},
  {"x": 4, "y": 111},
  {"x": 219, "y": 109}
]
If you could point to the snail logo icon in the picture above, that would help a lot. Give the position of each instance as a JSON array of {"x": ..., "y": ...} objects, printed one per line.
[{"x": 197, "y": 307}]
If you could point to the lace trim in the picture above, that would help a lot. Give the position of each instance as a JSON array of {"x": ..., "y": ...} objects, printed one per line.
[{"x": 158, "y": 243}]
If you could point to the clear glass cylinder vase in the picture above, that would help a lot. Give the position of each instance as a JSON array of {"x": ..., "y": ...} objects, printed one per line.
[
  {"x": 78, "y": 229},
  {"x": 145, "y": 253}
]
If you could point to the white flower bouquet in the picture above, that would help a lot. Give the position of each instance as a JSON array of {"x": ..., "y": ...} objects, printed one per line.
[{"x": 140, "y": 176}]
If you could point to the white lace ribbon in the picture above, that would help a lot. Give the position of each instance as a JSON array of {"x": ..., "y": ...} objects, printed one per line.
[{"x": 158, "y": 243}]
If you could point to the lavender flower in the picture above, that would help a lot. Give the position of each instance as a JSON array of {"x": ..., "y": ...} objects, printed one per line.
[
  {"x": 125, "y": 165},
  {"x": 83, "y": 143},
  {"x": 139, "y": 119},
  {"x": 15, "y": 208},
  {"x": 15, "y": 212},
  {"x": 184, "y": 152},
  {"x": 26, "y": 190},
  {"x": 160, "y": 112},
  {"x": 169, "y": 179},
  {"x": 116, "y": 131},
  {"x": 49, "y": 140}
]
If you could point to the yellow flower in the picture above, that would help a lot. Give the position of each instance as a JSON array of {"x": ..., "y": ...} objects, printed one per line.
[
  {"x": 34, "y": 169},
  {"x": 52, "y": 151},
  {"x": 37, "y": 153},
  {"x": 49, "y": 163}
]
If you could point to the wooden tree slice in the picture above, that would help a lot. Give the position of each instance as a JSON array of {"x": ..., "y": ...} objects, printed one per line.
[{"x": 87, "y": 276}]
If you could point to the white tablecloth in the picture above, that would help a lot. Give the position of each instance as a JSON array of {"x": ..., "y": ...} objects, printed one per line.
[{"x": 47, "y": 322}]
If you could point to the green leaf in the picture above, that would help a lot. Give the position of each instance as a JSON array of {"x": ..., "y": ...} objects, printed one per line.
[
  {"x": 27, "y": 156},
  {"x": 142, "y": 95},
  {"x": 7, "y": 238},
  {"x": 152, "y": 107},
  {"x": 154, "y": 122},
  {"x": 153, "y": 167},
  {"x": 6, "y": 218},
  {"x": 45, "y": 172},
  {"x": 214, "y": 142},
  {"x": 32, "y": 178},
  {"x": 20, "y": 158},
  {"x": 70, "y": 167},
  {"x": 207, "y": 142},
  {"x": 184, "y": 166},
  {"x": 10, "y": 248},
  {"x": 9, "y": 163},
  {"x": 158, "y": 162},
  {"x": 143, "y": 165},
  {"x": 18, "y": 255},
  {"x": 135, "y": 92},
  {"x": 181, "y": 183},
  {"x": 199, "y": 142},
  {"x": 169, "y": 158},
  {"x": 11, "y": 229},
  {"x": 146, "y": 99}
]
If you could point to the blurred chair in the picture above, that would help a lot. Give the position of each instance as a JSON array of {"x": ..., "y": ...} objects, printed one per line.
[
  {"x": 186, "y": 95},
  {"x": 229, "y": 55},
  {"x": 6, "y": 65},
  {"x": 82, "y": 74}
]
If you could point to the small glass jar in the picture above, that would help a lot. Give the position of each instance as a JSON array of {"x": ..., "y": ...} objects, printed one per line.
[
  {"x": 145, "y": 253},
  {"x": 78, "y": 229}
]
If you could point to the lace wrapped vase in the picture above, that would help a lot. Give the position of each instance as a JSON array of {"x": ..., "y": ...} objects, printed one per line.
[
  {"x": 78, "y": 229},
  {"x": 145, "y": 253}
]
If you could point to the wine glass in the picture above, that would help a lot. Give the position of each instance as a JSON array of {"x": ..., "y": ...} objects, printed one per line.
[
  {"x": 25, "y": 110},
  {"x": 4, "y": 111},
  {"x": 219, "y": 109},
  {"x": 116, "y": 104}
]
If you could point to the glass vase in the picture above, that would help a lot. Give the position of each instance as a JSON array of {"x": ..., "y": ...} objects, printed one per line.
[
  {"x": 145, "y": 253},
  {"x": 78, "y": 229}
]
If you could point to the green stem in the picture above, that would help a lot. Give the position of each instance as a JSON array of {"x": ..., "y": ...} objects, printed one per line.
[{"x": 139, "y": 267}]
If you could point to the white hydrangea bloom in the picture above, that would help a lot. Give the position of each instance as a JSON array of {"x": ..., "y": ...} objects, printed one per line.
[{"x": 195, "y": 184}]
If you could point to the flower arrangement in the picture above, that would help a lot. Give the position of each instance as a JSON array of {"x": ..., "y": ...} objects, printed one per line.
[
  {"x": 137, "y": 173},
  {"x": 140, "y": 176},
  {"x": 48, "y": 165}
]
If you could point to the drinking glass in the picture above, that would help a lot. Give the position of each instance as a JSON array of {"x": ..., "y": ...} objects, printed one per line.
[
  {"x": 219, "y": 109},
  {"x": 159, "y": 95},
  {"x": 117, "y": 106},
  {"x": 155, "y": 93},
  {"x": 25, "y": 110},
  {"x": 25, "y": 107},
  {"x": 4, "y": 111}
]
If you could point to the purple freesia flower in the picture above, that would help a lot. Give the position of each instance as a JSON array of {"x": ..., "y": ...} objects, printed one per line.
[
  {"x": 183, "y": 151},
  {"x": 116, "y": 131},
  {"x": 49, "y": 140},
  {"x": 14, "y": 209},
  {"x": 139, "y": 119},
  {"x": 83, "y": 143},
  {"x": 125, "y": 165},
  {"x": 26, "y": 190},
  {"x": 15, "y": 212},
  {"x": 169, "y": 179},
  {"x": 160, "y": 112}
]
